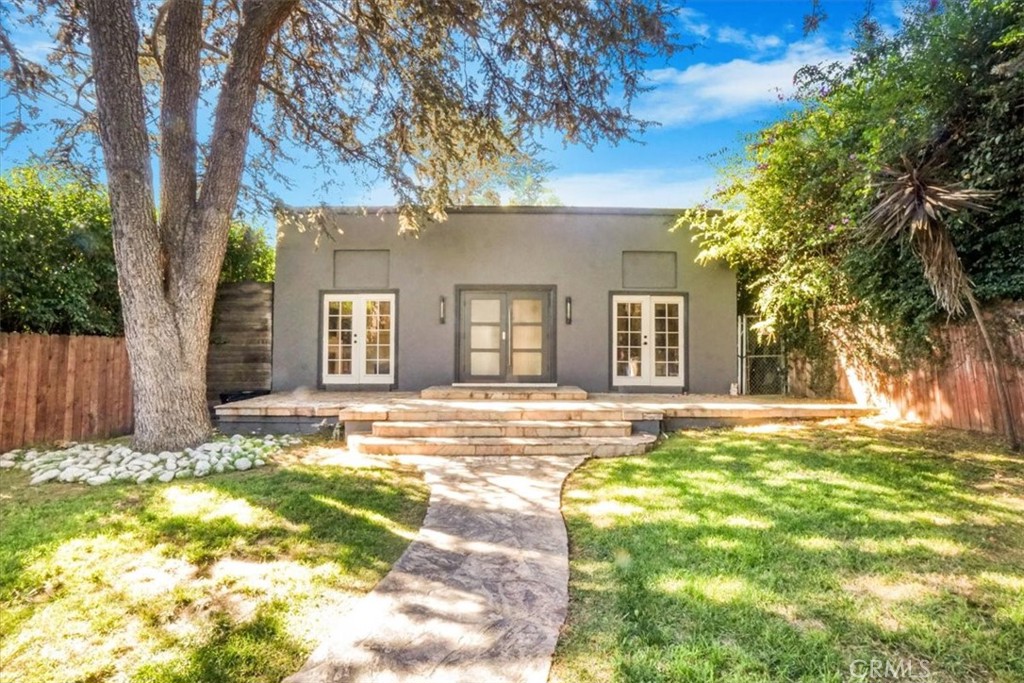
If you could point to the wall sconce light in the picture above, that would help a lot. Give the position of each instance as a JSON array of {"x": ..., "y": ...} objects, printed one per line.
[
  {"x": 441, "y": 311},
  {"x": 568, "y": 310}
]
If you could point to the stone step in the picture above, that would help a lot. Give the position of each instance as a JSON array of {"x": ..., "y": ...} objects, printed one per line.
[
  {"x": 558, "y": 411},
  {"x": 599, "y": 446},
  {"x": 508, "y": 428},
  {"x": 499, "y": 392}
]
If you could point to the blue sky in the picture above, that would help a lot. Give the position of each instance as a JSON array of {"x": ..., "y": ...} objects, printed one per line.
[{"x": 705, "y": 100}]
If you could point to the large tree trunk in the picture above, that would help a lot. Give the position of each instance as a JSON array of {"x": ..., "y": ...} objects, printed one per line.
[
  {"x": 168, "y": 265},
  {"x": 168, "y": 363}
]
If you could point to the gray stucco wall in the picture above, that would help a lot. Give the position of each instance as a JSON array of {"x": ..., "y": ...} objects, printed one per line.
[{"x": 579, "y": 251}]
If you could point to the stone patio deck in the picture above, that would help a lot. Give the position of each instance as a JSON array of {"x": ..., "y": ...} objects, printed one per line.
[{"x": 411, "y": 406}]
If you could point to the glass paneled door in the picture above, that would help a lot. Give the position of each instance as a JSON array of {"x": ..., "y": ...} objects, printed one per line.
[
  {"x": 506, "y": 335},
  {"x": 359, "y": 339},
  {"x": 648, "y": 337}
]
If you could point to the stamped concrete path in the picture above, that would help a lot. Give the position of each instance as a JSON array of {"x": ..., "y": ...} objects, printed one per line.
[{"x": 480, "y": 594}]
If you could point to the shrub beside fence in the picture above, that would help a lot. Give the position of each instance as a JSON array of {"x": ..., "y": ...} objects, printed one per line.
[{"x": 62, "y": 388}]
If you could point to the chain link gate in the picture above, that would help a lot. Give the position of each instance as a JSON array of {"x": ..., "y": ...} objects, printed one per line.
[{"x": 762, "y": 364}]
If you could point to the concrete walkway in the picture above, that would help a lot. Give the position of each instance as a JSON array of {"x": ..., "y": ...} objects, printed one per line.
[{"x": 480, "y": 594}]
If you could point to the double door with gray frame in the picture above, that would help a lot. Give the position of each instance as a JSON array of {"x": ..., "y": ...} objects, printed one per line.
[{"x": 506, "y": 335}]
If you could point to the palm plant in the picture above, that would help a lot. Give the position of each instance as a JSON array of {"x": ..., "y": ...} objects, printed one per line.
[{"x": 912, "y": 205}]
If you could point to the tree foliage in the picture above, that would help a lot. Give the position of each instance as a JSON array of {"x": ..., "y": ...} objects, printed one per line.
[
  {"x": 519, "y": 179},
  {"x": 57, "y": 270},
  {"x": 941, "y": 93},
  {"x": 249, "y": 257},
  {"x": 57, "y": 273},
  {"x": 413, "y": 94}
]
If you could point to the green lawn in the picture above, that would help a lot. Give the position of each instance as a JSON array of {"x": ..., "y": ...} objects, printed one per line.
[
  {"x": 227, "y": 578},
  {"x": 798, "y": 553}
]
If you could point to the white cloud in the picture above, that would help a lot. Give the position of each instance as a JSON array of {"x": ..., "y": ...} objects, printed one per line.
[
  {"x": 729, "y": 35},
  {"x": 691, "y": 23},
  {"x": 641, "y": 187},
  {"x": 709, "y": 92},
  {"x": 694, "y": 23}
]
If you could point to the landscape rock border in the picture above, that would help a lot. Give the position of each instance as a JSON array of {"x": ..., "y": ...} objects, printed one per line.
[{"x": 102, "y": 463}]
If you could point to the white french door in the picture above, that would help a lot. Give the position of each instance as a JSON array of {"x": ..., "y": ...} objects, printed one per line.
[
  {"x": 647, "y": 337},
  {"x": 359, "y": 339}
]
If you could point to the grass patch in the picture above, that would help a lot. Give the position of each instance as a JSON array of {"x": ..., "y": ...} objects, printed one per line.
[
  {"x": 793, "y": 553},
  {"x": 227, "y": 578}
]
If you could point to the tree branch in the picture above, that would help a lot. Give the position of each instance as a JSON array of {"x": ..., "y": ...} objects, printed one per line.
[
  {"x": 121, "y": 113},
  {"x": 183, "y": 33},
  {"x": 217, "y": 198}
]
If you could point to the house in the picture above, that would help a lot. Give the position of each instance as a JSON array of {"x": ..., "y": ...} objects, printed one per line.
[{"x": 602, "y": 299}]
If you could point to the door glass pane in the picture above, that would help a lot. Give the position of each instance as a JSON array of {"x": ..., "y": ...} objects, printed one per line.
[
  {"x": 526, "y": 310},
  {"x": 527, "y": 363},
  {"x": 485, "y": 310},
  {"x": 527, "y": 337},
  {"x": 666, "y": 340},
  {"x": 485, "y": 337},
  {"x": 485, "y": 363},
  {"x": 338, "y": 337},
  {"x": 377, "y": 341},
  {"x": 629, "y": 340}
]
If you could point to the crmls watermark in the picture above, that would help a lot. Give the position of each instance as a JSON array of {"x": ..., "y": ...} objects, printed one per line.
[{"x": 865, "y": 670}]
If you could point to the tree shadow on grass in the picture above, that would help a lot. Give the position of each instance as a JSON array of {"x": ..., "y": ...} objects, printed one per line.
[
  {"x": 311, "y": 528},
  {"x": 785, "y": 557},
  {"x": 256, "y": 651},
  {"x": 360, "y": 521}
]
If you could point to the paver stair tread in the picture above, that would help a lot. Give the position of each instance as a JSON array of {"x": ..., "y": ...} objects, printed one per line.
[
  {"x": 547, "y": 411},
  {"x": 481, "y": 445},
  {"x": 504, "y": 393},
  {"x": 500, "y": 428}
]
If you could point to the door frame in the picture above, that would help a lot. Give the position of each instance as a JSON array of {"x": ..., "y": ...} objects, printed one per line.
[
  {"x": 550, "y": 337},
  {"x": 321, "y": 299},
  {"x": 648, "y": 388}
]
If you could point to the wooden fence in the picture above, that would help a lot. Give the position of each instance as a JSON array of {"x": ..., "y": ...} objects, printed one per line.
[
  {"x": 958, "y": 391},
  {"x": 60, "y": 388},
  {"x": 240, "y": 339}
]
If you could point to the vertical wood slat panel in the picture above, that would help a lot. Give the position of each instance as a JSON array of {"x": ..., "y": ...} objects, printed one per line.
[
  {"x": 961, "y": 418},
  {"x": 6, "y": 403},
  {"x": 89, "y": 398},
  {"x": 100, "y": 397},
  {"x": 55, "y": 364},
  {"x": 77, "y": 413},
  {"x": 21, "y": 406},
  {"x": 60, "y": 388},
  {"x": 32, "y": 388},
  {"x": 71, "y": 387}
]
